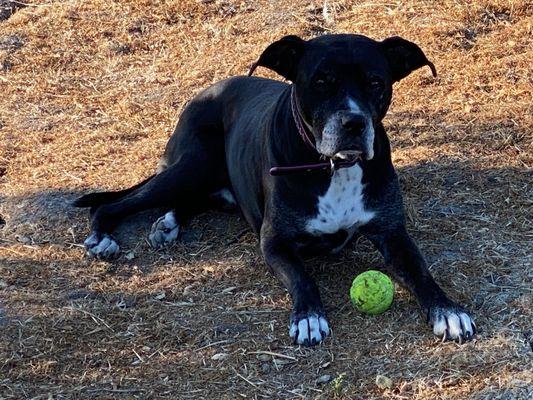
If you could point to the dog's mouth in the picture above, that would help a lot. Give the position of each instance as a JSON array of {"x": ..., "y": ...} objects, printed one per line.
[{"x": 348, "y": 155}]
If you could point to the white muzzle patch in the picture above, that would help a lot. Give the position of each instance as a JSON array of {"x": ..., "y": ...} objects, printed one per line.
[
  {"x": 368, "y": 134},
  {"x": 332, "y": 131}
]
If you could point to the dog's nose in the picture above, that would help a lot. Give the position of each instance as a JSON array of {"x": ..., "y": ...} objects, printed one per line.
[{"x": 353, "y": 123}]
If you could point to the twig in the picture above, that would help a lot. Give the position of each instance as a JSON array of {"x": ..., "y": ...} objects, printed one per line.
[
  {"x": 94, "y": 317},
  {"x": 115, "y": 390},
  {"x": 213, "y": 344},
  {"x": 248, "y": 381},
  {"x": 271, "y": 353}
]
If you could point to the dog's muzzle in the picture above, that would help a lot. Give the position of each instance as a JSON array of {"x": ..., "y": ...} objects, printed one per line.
[{"x": 347, "y": 136}]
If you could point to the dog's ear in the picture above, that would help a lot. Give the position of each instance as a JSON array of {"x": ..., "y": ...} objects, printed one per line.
[
  {"x": 404, "y": 57},
  {"x": 282, "y": 56}
]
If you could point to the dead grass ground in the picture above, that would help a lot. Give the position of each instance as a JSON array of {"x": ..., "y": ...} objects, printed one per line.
[{"x": 90, "y": 91}]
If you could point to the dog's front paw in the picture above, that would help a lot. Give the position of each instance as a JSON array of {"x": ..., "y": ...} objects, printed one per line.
[
  {"x": 101, "y": 246},
  {"x": 309, "y": 328},
  {"x": 451, "y": 323},
  {"x": 164, "y": 231}
]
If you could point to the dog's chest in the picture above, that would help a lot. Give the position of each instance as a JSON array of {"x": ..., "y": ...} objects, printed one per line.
[{"x": 342, "y": 206}]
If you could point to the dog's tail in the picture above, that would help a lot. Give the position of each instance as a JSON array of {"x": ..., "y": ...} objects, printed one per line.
[{"x": 98, "y": 198}]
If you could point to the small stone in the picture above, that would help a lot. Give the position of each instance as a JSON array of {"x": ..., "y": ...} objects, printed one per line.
[
  {"x": 130, "y": 255},
  {"x": 280, "y": 363},
  {"x": 160, "y": 296},
  {"x": 24, "y": 239},
  {"x": 188, "y": 289},
  {"x": 323, "y": 379},
  {"x": 121, "y": 304},
  {"x": 263, "y": 357},
  {"x": 219, "y": 357},
  {"x": 383, "y": 382},
  {"x": 265, "y": 368}
]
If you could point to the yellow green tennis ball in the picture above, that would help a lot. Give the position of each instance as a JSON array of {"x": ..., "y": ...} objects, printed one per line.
[{"x": 372, "y": 292}]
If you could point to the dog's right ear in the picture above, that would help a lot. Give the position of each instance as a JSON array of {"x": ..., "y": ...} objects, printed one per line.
[
  {"x": 282, "y": 56},
  {"x": 404, "y": 57}
]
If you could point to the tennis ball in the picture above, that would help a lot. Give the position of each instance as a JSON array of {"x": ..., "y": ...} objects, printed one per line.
[{"x": 372, "y": 292}]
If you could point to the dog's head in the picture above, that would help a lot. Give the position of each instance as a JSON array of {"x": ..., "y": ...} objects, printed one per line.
[{"x": 343, "y": 85}]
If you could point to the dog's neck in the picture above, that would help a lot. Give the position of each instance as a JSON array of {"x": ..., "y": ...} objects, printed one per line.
[
  {"x": 306, "y": 136},
  {"x": 288, "y": 147}
]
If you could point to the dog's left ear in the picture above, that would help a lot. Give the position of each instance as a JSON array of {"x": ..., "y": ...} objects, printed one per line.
[
  {"x": 282, "y": 56},
  {"x": 404, "y": 57}
]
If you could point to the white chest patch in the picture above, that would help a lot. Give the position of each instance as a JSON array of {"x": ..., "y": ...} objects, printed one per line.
[{"x": 342, "y": 206}]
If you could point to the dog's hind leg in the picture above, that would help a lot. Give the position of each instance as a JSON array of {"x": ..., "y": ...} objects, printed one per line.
[
  {"x": 183, "y": 187},
  {"x": 165, "y": 229}
]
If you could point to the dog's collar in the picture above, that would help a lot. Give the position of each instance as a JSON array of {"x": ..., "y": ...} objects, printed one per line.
[
  {"x": 300, "y": 124},
  {"x": 306, "y": 136}
]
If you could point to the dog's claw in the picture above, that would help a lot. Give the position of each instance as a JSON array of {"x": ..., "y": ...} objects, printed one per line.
[
  {"x": 452, "y": 323},
  {"x": 309, "y": 329},
  {"x": 101, "y": 246}
]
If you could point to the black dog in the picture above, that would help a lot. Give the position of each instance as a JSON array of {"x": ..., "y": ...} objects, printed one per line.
[{"x": 309, "y": 165}]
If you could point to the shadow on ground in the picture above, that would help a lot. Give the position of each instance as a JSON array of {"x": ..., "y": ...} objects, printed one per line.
[{"x": 202, "y": 308}]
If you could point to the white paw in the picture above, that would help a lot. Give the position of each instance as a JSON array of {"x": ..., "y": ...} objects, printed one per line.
[
  {"x": 309, "y": 330},
  {"x": 452, "y": 324},
  {"x": 101, "y": 246},
  {"x": 164, "y": 231}
]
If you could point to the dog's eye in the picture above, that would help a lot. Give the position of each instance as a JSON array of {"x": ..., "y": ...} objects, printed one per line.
[
  {"x": 324, "y": 80},
  {"x": 375, "y": 84}
]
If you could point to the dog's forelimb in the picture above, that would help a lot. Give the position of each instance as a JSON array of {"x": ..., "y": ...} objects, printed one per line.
[
  {"x": 289, "y": 269},
  {"x": 308, "y": 324},
  {"x": 404, "y": 260},
  {"x": 448, "y": 319}
]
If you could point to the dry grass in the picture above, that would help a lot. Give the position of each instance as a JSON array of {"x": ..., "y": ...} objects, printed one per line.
[{"x": 90, "y": 91}]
